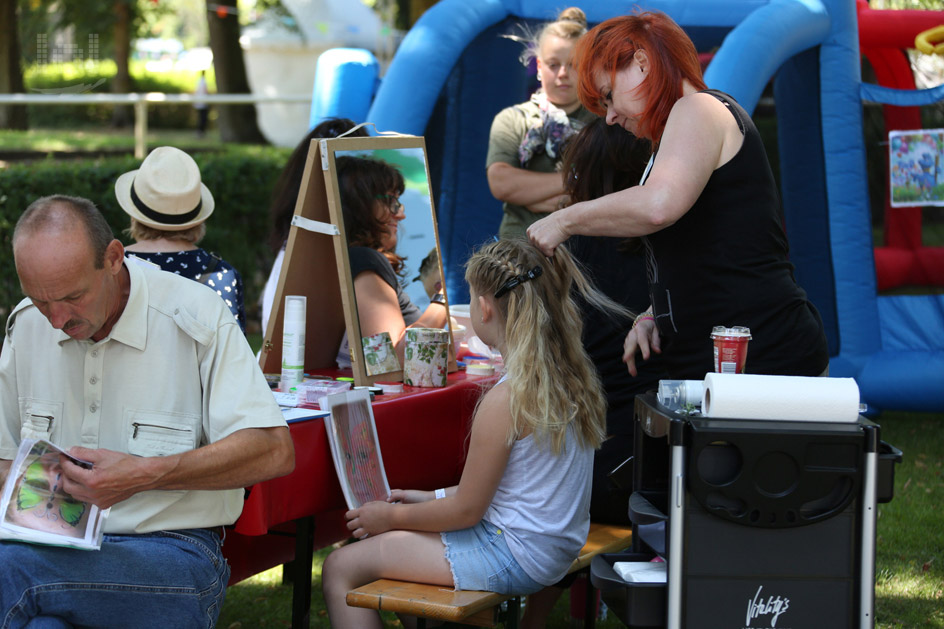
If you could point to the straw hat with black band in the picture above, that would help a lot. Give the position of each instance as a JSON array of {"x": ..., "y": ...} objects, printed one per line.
[{"x": 166, "y": 192}]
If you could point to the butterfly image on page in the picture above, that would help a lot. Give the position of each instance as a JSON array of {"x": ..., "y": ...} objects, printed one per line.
[
  {"x": 36, "y": 503},
  {"x": 41, "y": 503}
]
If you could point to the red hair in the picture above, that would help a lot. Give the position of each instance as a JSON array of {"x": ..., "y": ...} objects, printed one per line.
[{"x": 609, "y": 47}]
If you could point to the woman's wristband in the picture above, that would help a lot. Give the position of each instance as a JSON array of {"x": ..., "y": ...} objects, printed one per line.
[
  {"x": 644, "y": 316},
  {"x": 440, "y": 493}
]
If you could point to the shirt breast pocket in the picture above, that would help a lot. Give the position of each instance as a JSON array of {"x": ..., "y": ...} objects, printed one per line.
[
  {"x": 40, "y": 417},
  {"x": 155, "y": 433}
]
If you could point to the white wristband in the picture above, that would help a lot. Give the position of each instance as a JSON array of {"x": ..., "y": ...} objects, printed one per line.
[{"x": 440, "y": 493}]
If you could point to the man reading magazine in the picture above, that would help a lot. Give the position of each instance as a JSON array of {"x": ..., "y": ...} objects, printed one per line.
[{"x": 147, "y": 376}]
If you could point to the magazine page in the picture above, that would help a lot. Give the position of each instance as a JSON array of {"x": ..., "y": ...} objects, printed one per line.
[
  {"x": 355, "y": 449},
  {"x": 35, "y": 508}
]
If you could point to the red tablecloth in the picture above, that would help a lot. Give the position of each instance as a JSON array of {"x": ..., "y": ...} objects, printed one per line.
[{"x": 422, "y": 434}]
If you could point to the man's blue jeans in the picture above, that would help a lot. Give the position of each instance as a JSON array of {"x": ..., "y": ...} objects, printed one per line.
[{"x": 163, "y": 579}]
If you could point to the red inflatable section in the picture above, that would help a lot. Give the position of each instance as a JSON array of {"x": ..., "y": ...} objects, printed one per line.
[{"x": 883, "y": 37}]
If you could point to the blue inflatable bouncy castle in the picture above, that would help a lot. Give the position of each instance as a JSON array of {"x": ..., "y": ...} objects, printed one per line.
[{"x": 454, "y": 71}]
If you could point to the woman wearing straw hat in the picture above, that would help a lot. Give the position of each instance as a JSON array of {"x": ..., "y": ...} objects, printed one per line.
[{"x": 168, "y": 206}]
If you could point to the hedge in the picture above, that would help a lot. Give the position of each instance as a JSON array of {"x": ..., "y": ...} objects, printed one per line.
[{"x": 241, "y": 180}]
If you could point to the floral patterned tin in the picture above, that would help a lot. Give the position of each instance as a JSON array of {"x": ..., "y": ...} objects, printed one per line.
[
  {"x": 379, "y": 354},
  {"x": 426, "y": 356}
]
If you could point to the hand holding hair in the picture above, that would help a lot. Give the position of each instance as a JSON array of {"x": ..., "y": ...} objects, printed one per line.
[{"x": 547, "y": 233}]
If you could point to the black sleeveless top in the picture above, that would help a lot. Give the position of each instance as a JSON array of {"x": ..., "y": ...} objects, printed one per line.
[
  {"x": 725, "y": 263},
  {"x": 367, "y": 259},
  {"x": 620, "y": 275}
]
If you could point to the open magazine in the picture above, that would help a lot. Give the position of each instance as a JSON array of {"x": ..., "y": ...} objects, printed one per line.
[
  {"x": 355, "y": 449},
  {"x": 36, "y": 509}
]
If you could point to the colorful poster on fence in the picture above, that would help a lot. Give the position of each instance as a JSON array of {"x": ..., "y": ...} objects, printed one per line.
[{"x": 916, "y": 167}]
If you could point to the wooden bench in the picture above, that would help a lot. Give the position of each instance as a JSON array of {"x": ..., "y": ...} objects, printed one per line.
[{"x": 482, "y": 609}]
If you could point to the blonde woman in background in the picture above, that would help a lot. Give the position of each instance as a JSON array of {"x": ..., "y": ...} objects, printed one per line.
[{"x": 526, "y": 141}]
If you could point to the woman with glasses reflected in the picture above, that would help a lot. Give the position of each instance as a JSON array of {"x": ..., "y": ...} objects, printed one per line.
[
  {"x": 370, "y": 192},
  {"x": 285, "y": 196}
]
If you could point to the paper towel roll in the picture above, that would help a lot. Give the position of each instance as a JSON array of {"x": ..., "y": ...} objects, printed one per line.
[{"x": 791, "y": 398}]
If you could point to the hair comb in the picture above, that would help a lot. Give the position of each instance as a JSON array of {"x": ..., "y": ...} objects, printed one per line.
[{"x": 517, "y": 280}]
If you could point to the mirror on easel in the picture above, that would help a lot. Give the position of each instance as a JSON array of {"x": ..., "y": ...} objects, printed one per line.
[
  {"x": 309, "y": 270},
  {"x": 318, "y": 255},
  {"x": 390, "y": 272}
]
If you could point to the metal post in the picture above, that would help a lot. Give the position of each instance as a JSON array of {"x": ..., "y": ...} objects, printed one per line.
[{"x": 140, "y": 128}]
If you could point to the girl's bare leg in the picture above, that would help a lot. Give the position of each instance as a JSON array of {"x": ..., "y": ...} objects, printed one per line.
[{"x": 403, "y": 555}]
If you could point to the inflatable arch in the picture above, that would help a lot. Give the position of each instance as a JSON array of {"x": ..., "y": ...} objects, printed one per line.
[{"x": 454, "y": 71}]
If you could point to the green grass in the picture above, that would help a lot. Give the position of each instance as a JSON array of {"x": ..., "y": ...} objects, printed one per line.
[
  {"x": 67, "y": 73},
  {"x": 97, "y": 76},
  {"x": 909, "y": 550},
  {"x": 264, "y": 601},
  {"x": 910, "y": 547}
]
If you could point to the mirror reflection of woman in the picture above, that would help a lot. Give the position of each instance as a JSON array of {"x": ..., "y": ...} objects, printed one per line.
[
  {"x": 284, "y": 197},
  {"x": 370, "y": 192}
]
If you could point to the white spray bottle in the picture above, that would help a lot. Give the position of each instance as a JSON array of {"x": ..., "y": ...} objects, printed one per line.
[{"x": 293, "y": 342}]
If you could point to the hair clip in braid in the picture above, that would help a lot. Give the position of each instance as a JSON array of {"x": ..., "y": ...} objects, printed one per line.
[{"x": 517, "y": 280}]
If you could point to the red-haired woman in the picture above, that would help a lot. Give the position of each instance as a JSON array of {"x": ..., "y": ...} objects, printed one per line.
[{"x": 707, "y": 208}]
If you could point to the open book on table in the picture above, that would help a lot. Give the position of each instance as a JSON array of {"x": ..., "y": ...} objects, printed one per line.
[{"x": 35, "y": 508}]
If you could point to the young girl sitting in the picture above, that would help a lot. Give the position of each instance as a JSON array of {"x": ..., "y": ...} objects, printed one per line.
[{"x": 520, "y": 513}]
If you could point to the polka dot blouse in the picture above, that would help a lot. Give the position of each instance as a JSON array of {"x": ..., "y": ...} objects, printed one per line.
[{"x": 224, "y": 279}]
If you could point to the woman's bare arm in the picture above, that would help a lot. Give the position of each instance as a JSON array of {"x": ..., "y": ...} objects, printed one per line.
[
  {"x": 698, "y": 138},
  {"x": 378, "y": 310}
]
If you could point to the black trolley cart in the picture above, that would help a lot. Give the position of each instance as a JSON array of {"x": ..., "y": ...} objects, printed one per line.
[{"x": 762, "y": 524}]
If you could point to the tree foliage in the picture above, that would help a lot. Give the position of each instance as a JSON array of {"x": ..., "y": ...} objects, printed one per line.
[{"x": 83, "y": 22}]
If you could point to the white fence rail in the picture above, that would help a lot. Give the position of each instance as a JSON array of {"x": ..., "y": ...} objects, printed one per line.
[{"x": 141, "y": 103}]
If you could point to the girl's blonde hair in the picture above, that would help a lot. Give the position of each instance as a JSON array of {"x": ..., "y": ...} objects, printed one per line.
[
  {"x": 553, "y": 383},
  {"x": 570, "y": 24}
]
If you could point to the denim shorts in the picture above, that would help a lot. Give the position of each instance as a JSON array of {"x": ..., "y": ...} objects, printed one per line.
[{"x": 480, "y": 560}]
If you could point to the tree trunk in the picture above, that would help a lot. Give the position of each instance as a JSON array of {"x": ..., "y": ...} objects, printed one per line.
[
  {"x": 415, "y": 10},
  {"x": 123, "y": 115},
  {"x": 237, "y": 123},
  {"x": 11, "y": 72}
]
